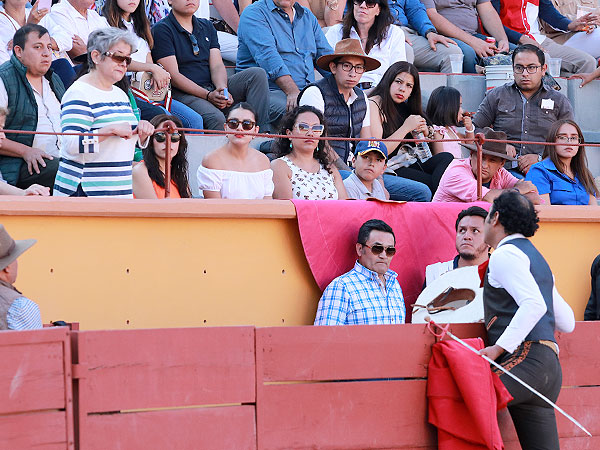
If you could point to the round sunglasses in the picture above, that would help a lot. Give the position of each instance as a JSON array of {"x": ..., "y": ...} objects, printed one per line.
[
  {"x": 234, "y": 124},
  {"x": 161, "y": 137}
]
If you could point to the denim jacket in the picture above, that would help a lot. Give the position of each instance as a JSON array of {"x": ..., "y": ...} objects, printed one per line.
[{"x": 411, "y": 13}]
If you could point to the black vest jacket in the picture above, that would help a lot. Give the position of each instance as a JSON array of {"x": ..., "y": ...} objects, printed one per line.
[
  {"x": 337, "y": 114},
  {"x": 499, "y": 307}
]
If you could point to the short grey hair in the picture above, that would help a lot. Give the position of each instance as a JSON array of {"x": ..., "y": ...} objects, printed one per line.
[{"x": 103, "y": 39}]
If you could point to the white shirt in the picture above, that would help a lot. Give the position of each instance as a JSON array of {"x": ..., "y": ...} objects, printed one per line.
[
  {"x": 143, "y": 49},
  {"x": 203, "y": 11},
  {"x": 48, "y": 108},
  {"x": 509, "y": 268},
  {"x": 312, "y": 96},
  {"x": 388, "y": 52},
  {"x": 66, "y": 18}
]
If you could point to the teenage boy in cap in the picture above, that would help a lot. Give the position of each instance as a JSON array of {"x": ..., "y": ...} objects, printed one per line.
[
  {"x": 459, "y": 182},
  {"x": 343, "y": 104},
  {"x": 16, "y": 311},
  {"x": 369, "y": 163}
]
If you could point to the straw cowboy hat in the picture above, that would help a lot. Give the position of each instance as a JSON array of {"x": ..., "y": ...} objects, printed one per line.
[
  {"x": 11, "y": 249},
  {"x": 348, "y": 47},
  {"x": 492, "y": 148}
]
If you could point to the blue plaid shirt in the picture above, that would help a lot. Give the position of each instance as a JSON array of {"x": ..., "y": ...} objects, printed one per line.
[
  {"x": 23, "y": 314},
  {"x": 357, "y": 298}
]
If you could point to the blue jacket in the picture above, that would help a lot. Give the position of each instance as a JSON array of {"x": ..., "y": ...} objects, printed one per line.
[{"x": 411, "y": 13}]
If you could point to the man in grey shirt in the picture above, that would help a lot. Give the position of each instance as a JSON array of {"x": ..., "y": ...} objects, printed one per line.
[
  {"x": 459, "y": 20},
  {"x": 524, "y": 109}
]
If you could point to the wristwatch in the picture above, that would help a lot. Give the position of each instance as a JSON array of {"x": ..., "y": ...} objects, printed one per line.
[{"x": 539, "y": 157}]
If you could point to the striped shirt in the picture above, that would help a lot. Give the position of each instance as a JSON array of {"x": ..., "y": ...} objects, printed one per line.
[
  {"x": 102, "y": 168},
  {"x": 357, "y": 298},
  {"x": 23, "y": 314}
]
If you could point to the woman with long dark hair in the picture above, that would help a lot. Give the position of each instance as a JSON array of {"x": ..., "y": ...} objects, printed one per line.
[
  {"x": 304, "y": 169},
  {"x": 236, "y": 170},
  {"x": 397, "y": 113},
  {"x": 131, "y": 15},
  {"x": 371, "y": 22},
  {"x": 149, "y": 174},
  {"x": 563, "y": 177}
]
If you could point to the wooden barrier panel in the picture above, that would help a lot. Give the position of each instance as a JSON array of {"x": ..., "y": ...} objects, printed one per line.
[
  {"x": 184, "y": 370},
  {"x": 35, "y": 390}
]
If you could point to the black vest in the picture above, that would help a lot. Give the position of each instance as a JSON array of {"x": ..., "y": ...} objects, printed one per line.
[
  {"x": 499, "y": 307},
  {"x": 337, "y": 114}
]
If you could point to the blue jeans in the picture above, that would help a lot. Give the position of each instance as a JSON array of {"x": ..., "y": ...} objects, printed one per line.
[
  {"x": 402, "y": 189},
  {"x": 471, "y": 57},
  {"x": 189, "y": 118}
]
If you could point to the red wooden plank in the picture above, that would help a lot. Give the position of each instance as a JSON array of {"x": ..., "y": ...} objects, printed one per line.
[
  {"x": 579, "y": 356},
  {"x": 33, "y": 337},
  {"x": 348, "y": 415},
  {"x": 42, "y": 430},
  {"x": 32, "y": 377},
  {"x": 583, "y": 403},
  {"x": 347, "y": 352},
  {"x": 138, "y": 369},
  {"x": 183, "y": 429}
]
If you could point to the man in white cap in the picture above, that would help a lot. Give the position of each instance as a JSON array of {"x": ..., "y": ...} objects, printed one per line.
[{"x": 17, "y": 312}]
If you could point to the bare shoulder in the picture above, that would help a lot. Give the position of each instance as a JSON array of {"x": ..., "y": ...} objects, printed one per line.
[
  {"x": 140, "y": 169},
  {"x": 214, "y": 160},
  {"x": 261, "y": 160}
]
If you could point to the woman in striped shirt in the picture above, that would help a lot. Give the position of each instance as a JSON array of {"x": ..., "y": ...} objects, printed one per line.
[{"x": 100, "y": 166}]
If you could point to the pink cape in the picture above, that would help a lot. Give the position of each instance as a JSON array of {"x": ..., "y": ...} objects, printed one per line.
[
  {"x": 425, "y": 234},
  {"x": 464, "y": 396}
]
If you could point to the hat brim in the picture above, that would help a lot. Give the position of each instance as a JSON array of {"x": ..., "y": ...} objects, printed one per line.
[
  {"x": 371, "y": 150},
  {"x": 20, "y": 247},
  {"x": 370, "y": 63},
  {"x": 473, "y": 148}
]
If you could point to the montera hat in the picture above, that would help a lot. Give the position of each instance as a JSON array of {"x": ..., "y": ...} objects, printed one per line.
[
  {"x": 348, "y": 47},
  {"x": 371, "y": 146},
  {"x": 11, "y": 249},
  {"x": 492, "y": 148}
]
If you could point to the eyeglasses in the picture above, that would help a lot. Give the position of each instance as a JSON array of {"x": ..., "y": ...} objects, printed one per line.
[
  {"x": 234, "y": 124},
  {"x": 118, "y": 58},
  {"x": 378, "y": 248},
  {"x": 195, "y": 47},
  {"x": 347, "y": 67},
  {"x": 161, "y": 137},
  {"x": 568, "y": 139},
  {"x": 369, "y": 3},
  {"x": 305, "y": 128},
  {"x": 530, "y": 69}
]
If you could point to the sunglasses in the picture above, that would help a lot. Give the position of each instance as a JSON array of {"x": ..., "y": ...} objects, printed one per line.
[
  {"x": 305, "y": 128},
  {"x": 234, "y": 124},
  {"x": 195, "y": 47},
  {"x": 118, "y": 58},
  {"x": 369, "y": 3},
  {"x": 378, "y": 248},
  {"x": 161, "y": 137}
]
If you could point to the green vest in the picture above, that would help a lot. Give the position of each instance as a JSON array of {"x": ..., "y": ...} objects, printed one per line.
[{"x": 22, "y": 111}]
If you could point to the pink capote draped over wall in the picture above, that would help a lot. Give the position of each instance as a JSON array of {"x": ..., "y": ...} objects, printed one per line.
[{"x": 424, "y": 232}]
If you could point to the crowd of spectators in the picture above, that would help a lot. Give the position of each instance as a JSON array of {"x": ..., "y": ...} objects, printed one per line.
[{"x": 70, "y": 68}]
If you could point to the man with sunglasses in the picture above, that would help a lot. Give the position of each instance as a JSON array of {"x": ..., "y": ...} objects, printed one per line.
[
  {"x": 32, "y": 93},
  {"x": 188, "y": 48},
  {"x": 370, "y": 292},
  {"x": 524, "y": 109}
]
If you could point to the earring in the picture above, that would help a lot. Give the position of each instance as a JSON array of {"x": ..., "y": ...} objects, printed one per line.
[{"x": 290, "y": 144}]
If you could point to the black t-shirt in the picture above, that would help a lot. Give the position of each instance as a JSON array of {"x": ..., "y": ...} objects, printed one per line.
[{"x": 170, "y": 38}]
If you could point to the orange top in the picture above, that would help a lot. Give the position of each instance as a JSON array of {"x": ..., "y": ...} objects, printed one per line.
[{"x": 160, "y": 192}]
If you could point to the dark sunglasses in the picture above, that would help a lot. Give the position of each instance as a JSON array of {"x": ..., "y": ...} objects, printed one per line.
[
  {"x": 234, "y": 124},
  {"x": 378, "y": 248},
  {"x": 195, "y": 47},
  {"x": 118, "y": 58},
  {"x": 161, "y": 137},
  {"x": 369, "y": 3}
]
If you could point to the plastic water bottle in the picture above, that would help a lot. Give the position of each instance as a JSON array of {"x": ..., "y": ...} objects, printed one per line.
[{"x": 422, "y": 148}]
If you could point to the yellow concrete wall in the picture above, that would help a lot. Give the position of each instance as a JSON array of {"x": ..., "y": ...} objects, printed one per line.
[{"x": 179, "y": 263}]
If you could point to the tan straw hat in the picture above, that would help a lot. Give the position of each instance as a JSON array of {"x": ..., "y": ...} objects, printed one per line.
[
  {"x": 348, "y": 47},
  {"x": 492, "y": 148},
  {"x": 11, "y": 249}
]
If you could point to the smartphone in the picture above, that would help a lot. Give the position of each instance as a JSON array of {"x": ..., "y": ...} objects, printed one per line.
[
  {"x": 225, "y": 92},
  {"x": 44, "y": 4}
]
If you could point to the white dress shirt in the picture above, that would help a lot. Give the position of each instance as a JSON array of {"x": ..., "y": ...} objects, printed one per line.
[
  {"x": 388, "y": 52},
  {"x": 509, "y": 268},
  {"x": 66, "y": 18},
  {"x": 48, "y": 108}
]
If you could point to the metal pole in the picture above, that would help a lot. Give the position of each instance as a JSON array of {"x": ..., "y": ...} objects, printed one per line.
[
  {"x": 479, "y": 143},
  {"x": 170, "y": 130}
]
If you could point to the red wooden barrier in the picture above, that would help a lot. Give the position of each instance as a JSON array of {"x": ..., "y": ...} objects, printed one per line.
[
  {"x": 172, "y": 372},
  {"x": 35, "y": 388}
]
